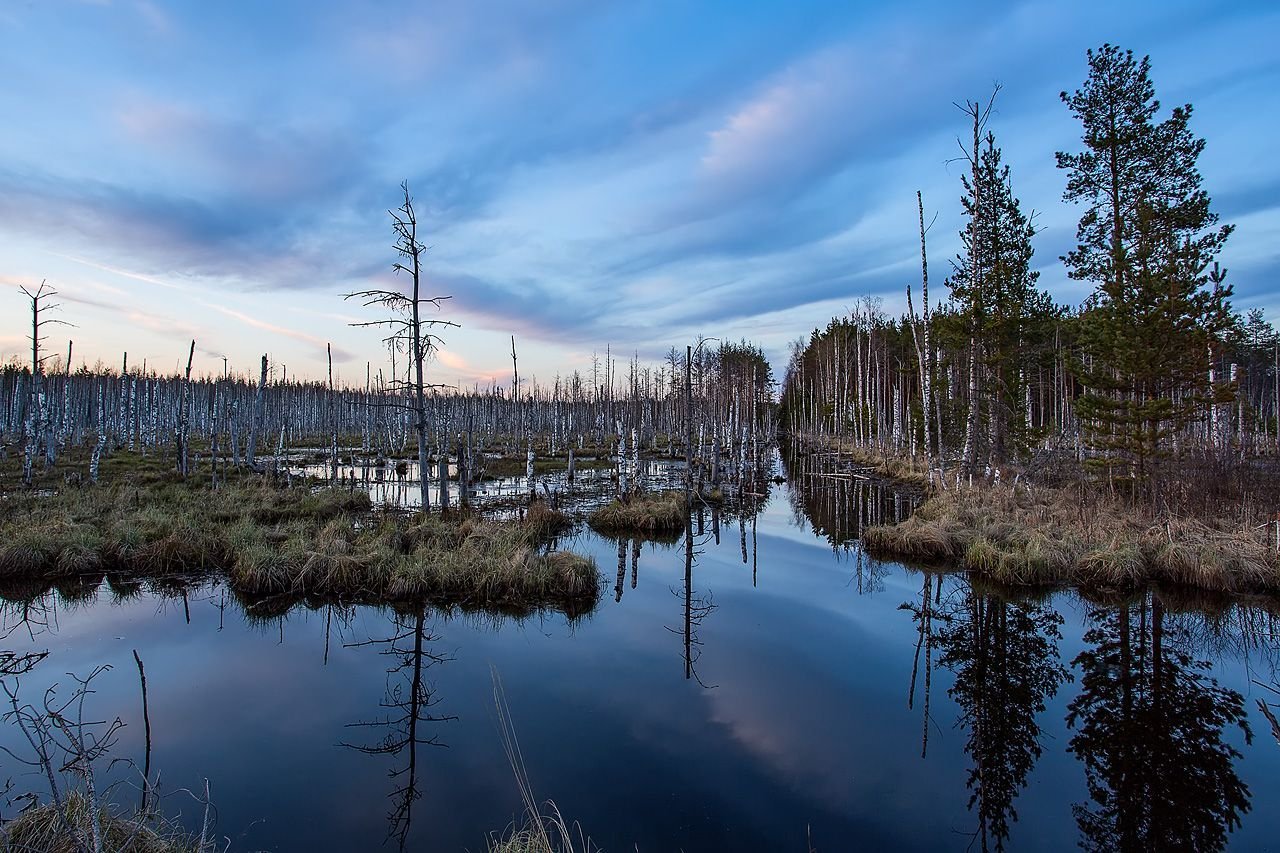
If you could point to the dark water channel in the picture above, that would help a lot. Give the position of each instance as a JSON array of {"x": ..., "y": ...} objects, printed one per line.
[{"x": 794, "y": 692}]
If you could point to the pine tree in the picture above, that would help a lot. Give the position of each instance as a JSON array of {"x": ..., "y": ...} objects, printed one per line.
[
  {"x": 1146, "y": 240},
  {"x": 1002, "y": 307}
]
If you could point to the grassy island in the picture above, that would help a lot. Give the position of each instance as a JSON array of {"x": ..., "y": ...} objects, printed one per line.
[{"x": 267, "y": 539}]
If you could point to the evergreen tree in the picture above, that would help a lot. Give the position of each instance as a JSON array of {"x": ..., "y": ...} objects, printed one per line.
[
  {"x": 1146, "y": 240},
  {"x": 995, "y": 287}
]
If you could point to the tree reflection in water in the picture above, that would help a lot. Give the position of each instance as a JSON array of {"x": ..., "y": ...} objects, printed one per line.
[
  {"x": 407, "y": 704},
  {"x": 1005, "y": 658},
  {"x": 836, "y": 501},
  {"x": 696, "y": 607},
  {"x": 1150, "y": 725}
]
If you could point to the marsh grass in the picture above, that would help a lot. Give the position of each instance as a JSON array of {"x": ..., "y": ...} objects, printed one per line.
[
  {"x": 542, "y": 521},
  {"x": 42, "y": 829},
  {"x": 1050, "y": 537},
  {"x": 272, "y": 541},
  {"x": 543, "y": 828},
  {"x": 647, "y": 512}
]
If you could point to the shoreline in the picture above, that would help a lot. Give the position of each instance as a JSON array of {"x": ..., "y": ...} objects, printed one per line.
[{"x": 1025, "y": 535}]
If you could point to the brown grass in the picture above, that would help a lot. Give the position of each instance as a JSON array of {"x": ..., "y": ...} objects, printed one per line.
[
  {"x": 42, "y": 829},
  {"x": 271, "y": 541},
  {"x": 1049, "y": 537},
  {"x": 543, "y": 522},
  {"x": 643, "y": 513}
]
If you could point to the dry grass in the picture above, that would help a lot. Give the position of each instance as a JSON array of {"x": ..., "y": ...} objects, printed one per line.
[
  {"x": 273, "y": 541},
  {"x": 1048, "y": 537},
  {"x": 544, "y": 522},
  {"x": 544, "y": 828},
  {"x": 490, "y": 563},
  {"x": 42, "y": 829},
  {"x": 644, "y": 513}
]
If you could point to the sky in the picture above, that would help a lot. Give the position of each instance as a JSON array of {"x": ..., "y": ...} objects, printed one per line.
[{"x": 587, "y": 174}]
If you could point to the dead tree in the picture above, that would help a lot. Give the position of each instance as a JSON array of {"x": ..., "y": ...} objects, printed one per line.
[
  {"x": 257, "y": 416},
  {"x": 36, "y": 422},
  {"x": 184, "y": 416},
  {"x": 408, "y": 330}
]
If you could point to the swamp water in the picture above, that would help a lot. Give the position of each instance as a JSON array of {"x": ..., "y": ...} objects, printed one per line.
[{"x": 787, "y": 693}]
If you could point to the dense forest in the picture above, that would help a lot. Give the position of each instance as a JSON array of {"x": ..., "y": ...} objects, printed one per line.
[{"x": 1155, "y": 365}]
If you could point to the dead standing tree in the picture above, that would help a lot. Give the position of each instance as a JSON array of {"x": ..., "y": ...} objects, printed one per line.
[
  {"x": 184, "y": 417},
  {"x": 409, "y": 331},
  {"x": 37, "y": 420}
]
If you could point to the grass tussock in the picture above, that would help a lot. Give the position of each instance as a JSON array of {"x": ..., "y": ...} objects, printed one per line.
[
  {"x": 43, "y": 829},
  {"x": 1051, "y": 537},
  {"x": 648, "y": 512},
  {"x": 270, "y": 541},
  {"x": 494, "y": 564},
  {"x": 542, "y": 521}
]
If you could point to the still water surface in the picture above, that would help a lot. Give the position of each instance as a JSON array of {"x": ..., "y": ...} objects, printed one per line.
[{"x": 792, "y": 693}]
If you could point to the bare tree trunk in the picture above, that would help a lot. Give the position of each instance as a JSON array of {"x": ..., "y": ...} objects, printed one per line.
[
  {"x": 102, "y": 437},
  {"x": 257, "y": 415},
  {"x": 184, "y": 414},
  {"x": 924, "y": 355},
  {"x": 970, "y": 453},
  {"x": 688, "y": 423},
  {"x": 333, "y": 421}
]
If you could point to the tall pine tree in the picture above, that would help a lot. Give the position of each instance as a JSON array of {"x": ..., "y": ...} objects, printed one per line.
[
  {"x": 995, "y": 287},
  {"x": 1146, "y": 240}
]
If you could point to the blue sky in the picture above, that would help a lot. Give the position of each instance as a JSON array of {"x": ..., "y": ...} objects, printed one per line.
[{"x": 588, "y": 173}]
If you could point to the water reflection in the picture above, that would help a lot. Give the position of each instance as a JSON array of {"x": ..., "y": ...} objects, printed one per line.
[
  {"x": 406, "y": 705},
  {"x": 1149, "y": 727},
  {"x": 1005, "y": 661},
  {"x": 397, "y": 482},
  {"x": 922, "y": 614},
  {"x": 837, "y": 500},
  {"x": 806, "y": 728},
  {"x": 697, "y": 607}
]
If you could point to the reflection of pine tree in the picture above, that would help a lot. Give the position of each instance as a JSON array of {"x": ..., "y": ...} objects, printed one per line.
[
  {"x": 1005, "y": 659},
  {"x": 1149, "y": 726}
]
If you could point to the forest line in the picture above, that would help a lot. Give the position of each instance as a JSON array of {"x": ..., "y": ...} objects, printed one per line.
[{"x": 1154, "y": 365}]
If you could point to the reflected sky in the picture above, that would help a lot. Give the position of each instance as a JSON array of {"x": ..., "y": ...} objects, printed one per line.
[{"x": 797, "y": 723}]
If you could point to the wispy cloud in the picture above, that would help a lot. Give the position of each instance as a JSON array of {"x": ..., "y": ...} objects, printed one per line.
[
  {"x": 323, "y": 346},
  {"x": 586, "y": 173}
]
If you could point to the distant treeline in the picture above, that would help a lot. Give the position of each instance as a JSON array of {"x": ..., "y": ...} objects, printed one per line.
[{"x": 730, "y": 389}]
